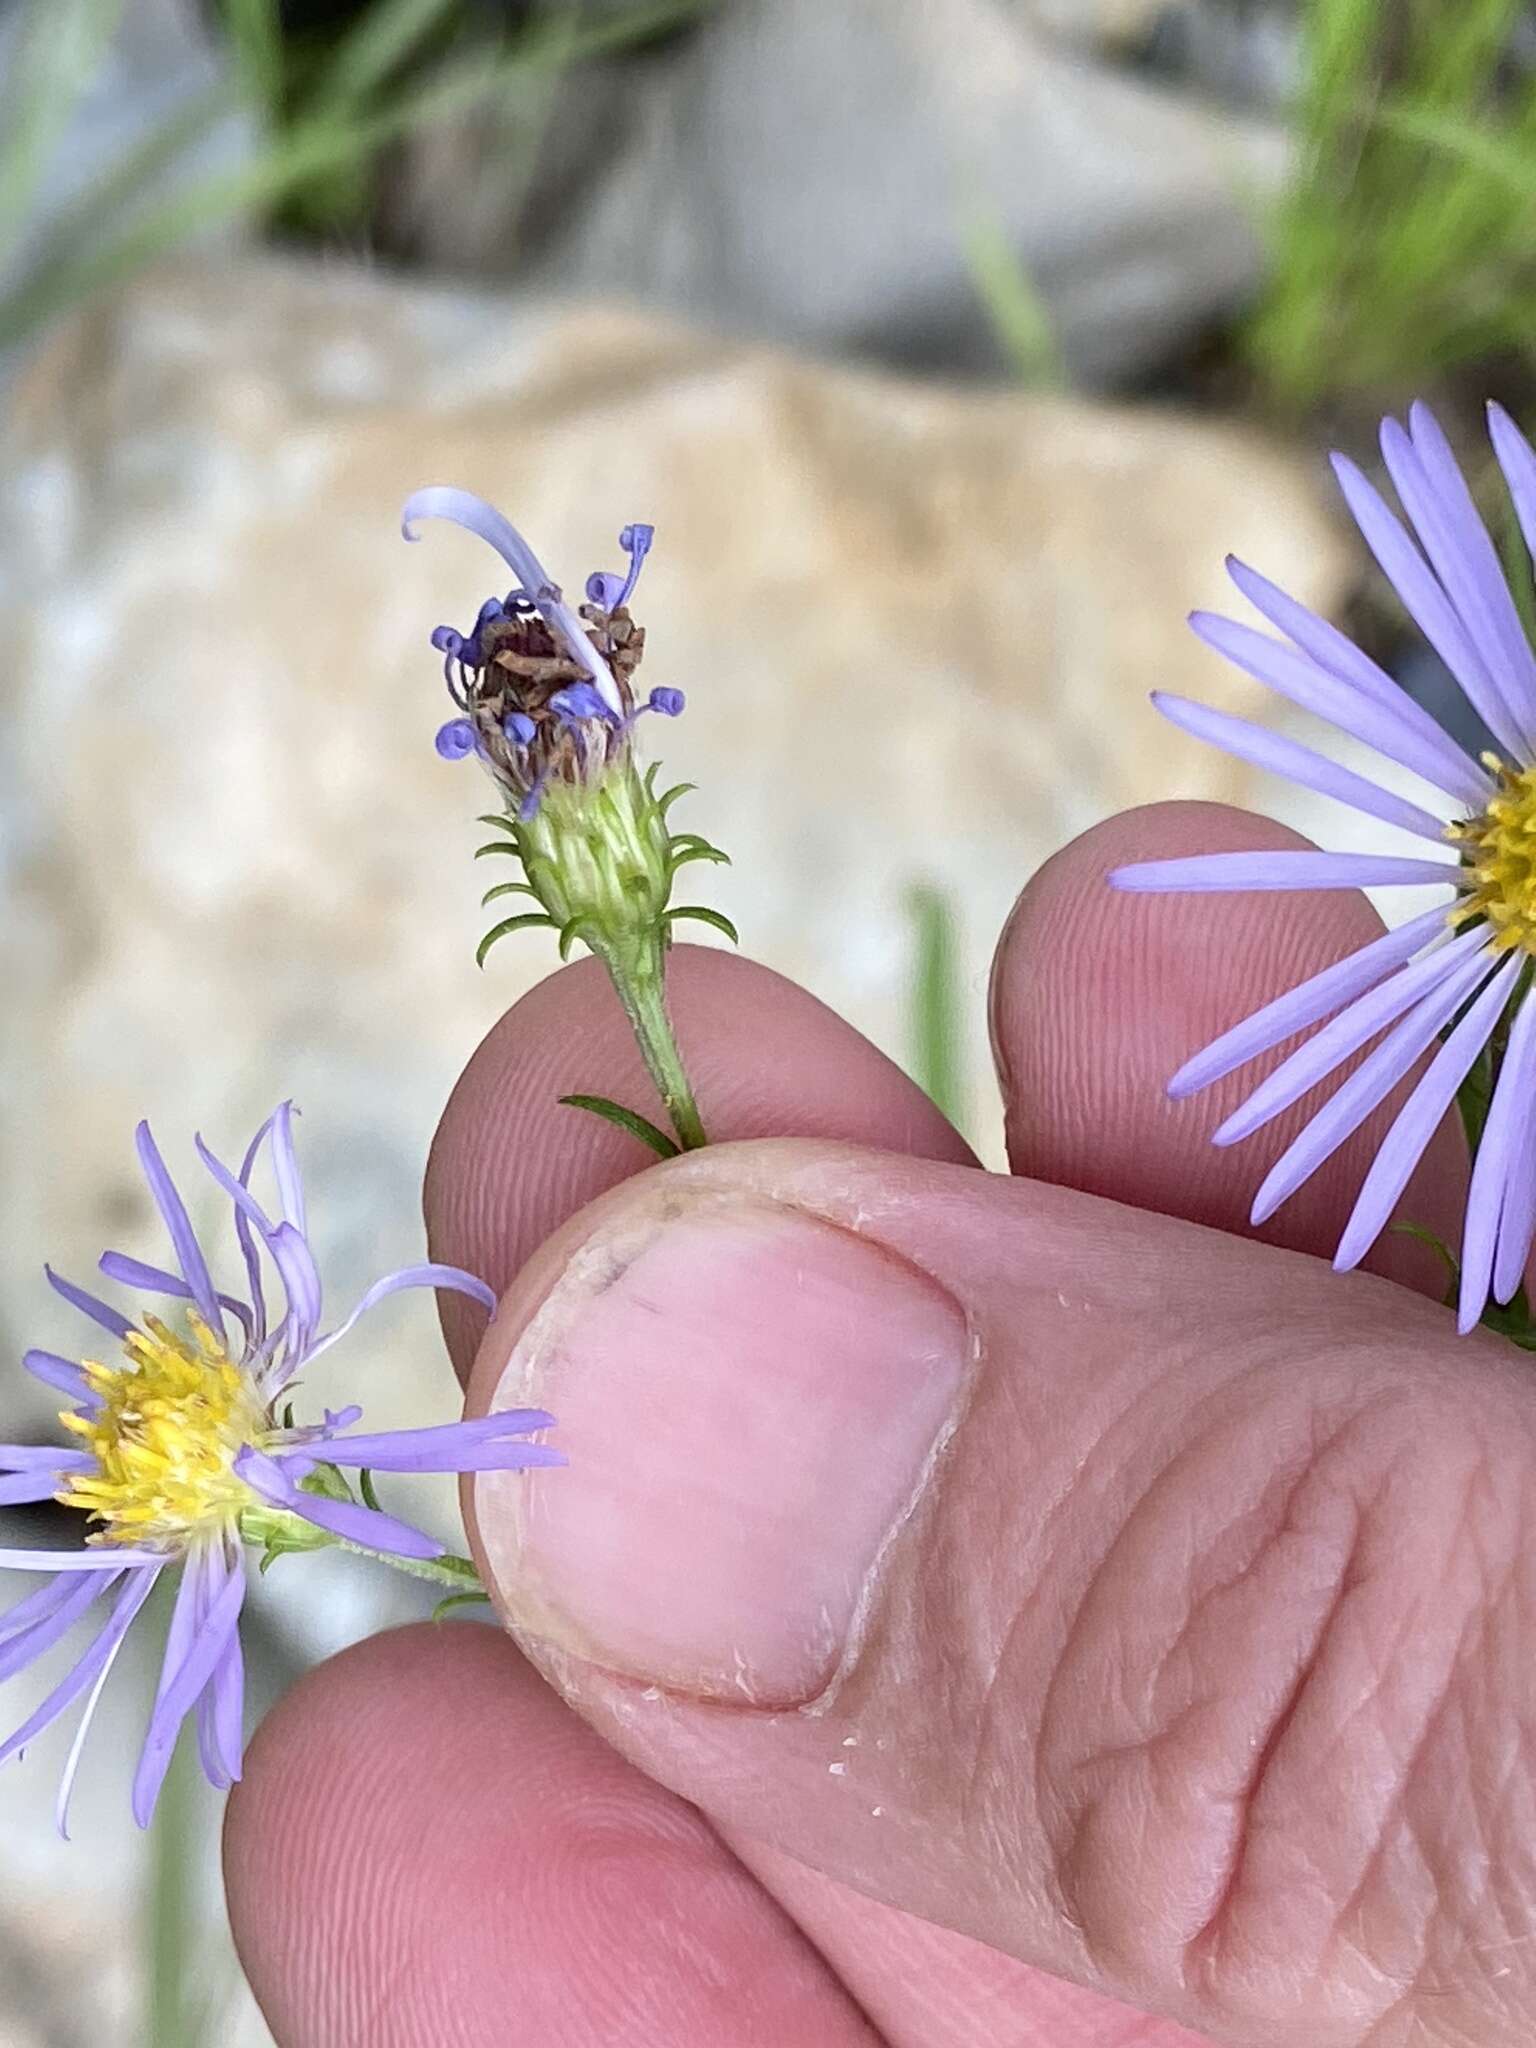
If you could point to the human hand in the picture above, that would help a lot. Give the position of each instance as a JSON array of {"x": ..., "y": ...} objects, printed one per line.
[{"x": 961, "y": 1583}]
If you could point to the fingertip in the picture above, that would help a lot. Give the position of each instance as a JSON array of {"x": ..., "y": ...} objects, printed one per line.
[
  {"x": 429, "y": 1847},
  {"x": 1098, "y": 997},
  {"x": 510, "y": 1165}
]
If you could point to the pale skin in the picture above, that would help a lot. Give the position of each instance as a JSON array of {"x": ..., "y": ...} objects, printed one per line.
[{"x": 1185, "y": 1697}]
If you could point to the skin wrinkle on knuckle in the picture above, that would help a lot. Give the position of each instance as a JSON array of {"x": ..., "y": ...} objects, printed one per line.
[
  {"x": 1331, "y": 1519},
  {"x": 1479, "y": 1924}
]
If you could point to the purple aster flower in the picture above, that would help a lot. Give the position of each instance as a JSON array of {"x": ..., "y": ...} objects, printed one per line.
[
  {"x": 542, "y": 693},
  {"x": 1457, "y": 975},
  {"x": 178, "y": 1457}
]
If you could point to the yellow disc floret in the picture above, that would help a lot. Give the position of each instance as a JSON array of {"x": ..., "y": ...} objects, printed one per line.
[
  {"x": 1498, "y": 848},
  {"x": 172, "y": 1419}
]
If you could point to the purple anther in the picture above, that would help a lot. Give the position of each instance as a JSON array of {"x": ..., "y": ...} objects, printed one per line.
[
  {"x": 669, "y": 703},
  {"x": 455, "y": 739},
  {"x": 607, "y": 591},
  {"x": 519, "y": 728},
  {"x": 577, "y": 702}
]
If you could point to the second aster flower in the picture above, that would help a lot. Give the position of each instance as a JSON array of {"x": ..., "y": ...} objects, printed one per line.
[
  {"x": 182, "y": 1450},
  {"x": 1452, "y": 984}
]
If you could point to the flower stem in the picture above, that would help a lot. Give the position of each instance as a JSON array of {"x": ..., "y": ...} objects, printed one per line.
[{"x": 639, "y": 977}]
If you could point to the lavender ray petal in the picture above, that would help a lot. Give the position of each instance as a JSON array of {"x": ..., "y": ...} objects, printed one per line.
[
  {"x": 1517, "y": 1223},
  {"x": 285, "y": 1164},
  {"x": 247, "y": 1241},
  {"x": 106, "y": 1559},
  {"x": 1333, "y": 651},
  {"x": 25, "y": 1648},
  {"x": 1371, "y": 1082},
  {"x": 36, "y": 1607},
  {"x": 1345, "y": 1034},
  {"x": 173, "y": 1211},
  {"x": 43, "y": 1457},
  {"x": 63, "y": 1375},
  {"x": 452, "y": 1277},
  {"x": 1419, "y": 1118},
  {"x": 227, "y": 1687},
  {"x": 203, "y": 1618},
  {"x": 88, "y": 1305},
  {"x": 1425, "y": 601},
  {"x": 208, "y": 1753},
  {"x": 207, "y": 1743},
  {"x": 1485, "y": 602},
  {"x": 374, "y": 1531},
  {"x": 1517, "y": 459},
  {"x": 300, "y": 1276},
  {"x": 221, "y": 1704},
  {"x": 96, "y": 1659},
  {"x": 82, "y": 1733},
  {"x": 1280, "y": 756},
  {"x": 184, "y": 1675},
  {"x": 288, "y": 1248},
  {"x": 409, "y": 1443},
  {"x": 1442, "y": 545},
  {"x": 463, "y": 508},
  {"x": 23, "y": 1487},
  {"x": 496, "y": 1454},
  {"x": 78, "y": 1741},
  {"x": 129, "y": 1272},
  {"x": 1395, "y": 732},
  {"x": 1493, "y": 1169},
  {"x": 1205, "y": 873}
]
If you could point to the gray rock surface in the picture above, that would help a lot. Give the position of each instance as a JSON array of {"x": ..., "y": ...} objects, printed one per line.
[{"x": 808, "y": 172}]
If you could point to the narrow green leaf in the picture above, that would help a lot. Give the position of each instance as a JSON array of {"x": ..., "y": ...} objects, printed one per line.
[
  {"x": 665, "y": 803},
  {"x": 367, "y": 1489},
  {"x": 496, "y": 846},
  {"x": 256, "y": 34},
  {"x": 499, "y": 819},
  {"x": 1018, "y": 315},
  {"x": 454, "y": 1601},
  {"x": 627, "y": 1120},
  {"x": 387, "y": 34},
  {"x": 716, "y": 918},
  {"x": 709, "y": 853},
  {"x": 1452, "y": 1265},
  {"x": 525, "y": 923},
  {"x": 505, "y": 889},
  {"x": 934, "y": 1006},
  {"x": 60, "y": 47}
]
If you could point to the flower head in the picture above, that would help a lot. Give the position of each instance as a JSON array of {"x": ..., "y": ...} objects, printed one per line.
[
  {"x": 544, "y": 698},
  {"x": 1459, "y": 975},
  {"x": 178, "y": 1458},
  {"x": 544, "y": 694}
]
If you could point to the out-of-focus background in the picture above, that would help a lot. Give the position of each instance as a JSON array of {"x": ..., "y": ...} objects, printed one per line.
[{"x": 949, "y": 344}]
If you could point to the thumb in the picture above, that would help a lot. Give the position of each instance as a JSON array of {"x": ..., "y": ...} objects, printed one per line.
[{"x": 1150, "y": 1604}]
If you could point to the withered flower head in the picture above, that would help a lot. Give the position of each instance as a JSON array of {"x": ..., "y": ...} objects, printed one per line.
[{"x": 544, "y": 693}]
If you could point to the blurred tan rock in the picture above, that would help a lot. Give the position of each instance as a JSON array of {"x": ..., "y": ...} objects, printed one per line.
[{"x": 916, "y": 627}]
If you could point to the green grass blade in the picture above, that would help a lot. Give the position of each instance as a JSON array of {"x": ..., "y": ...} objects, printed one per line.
[
  {"x": 1019, "y": 317},
  {"x": 387, "y": 35},
  {"x": 627, "y": 1120},
  {"x": 61, "y": 45},
  {"x": 934, "y": 1003},
  {"x": 255, "y": 31}
]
